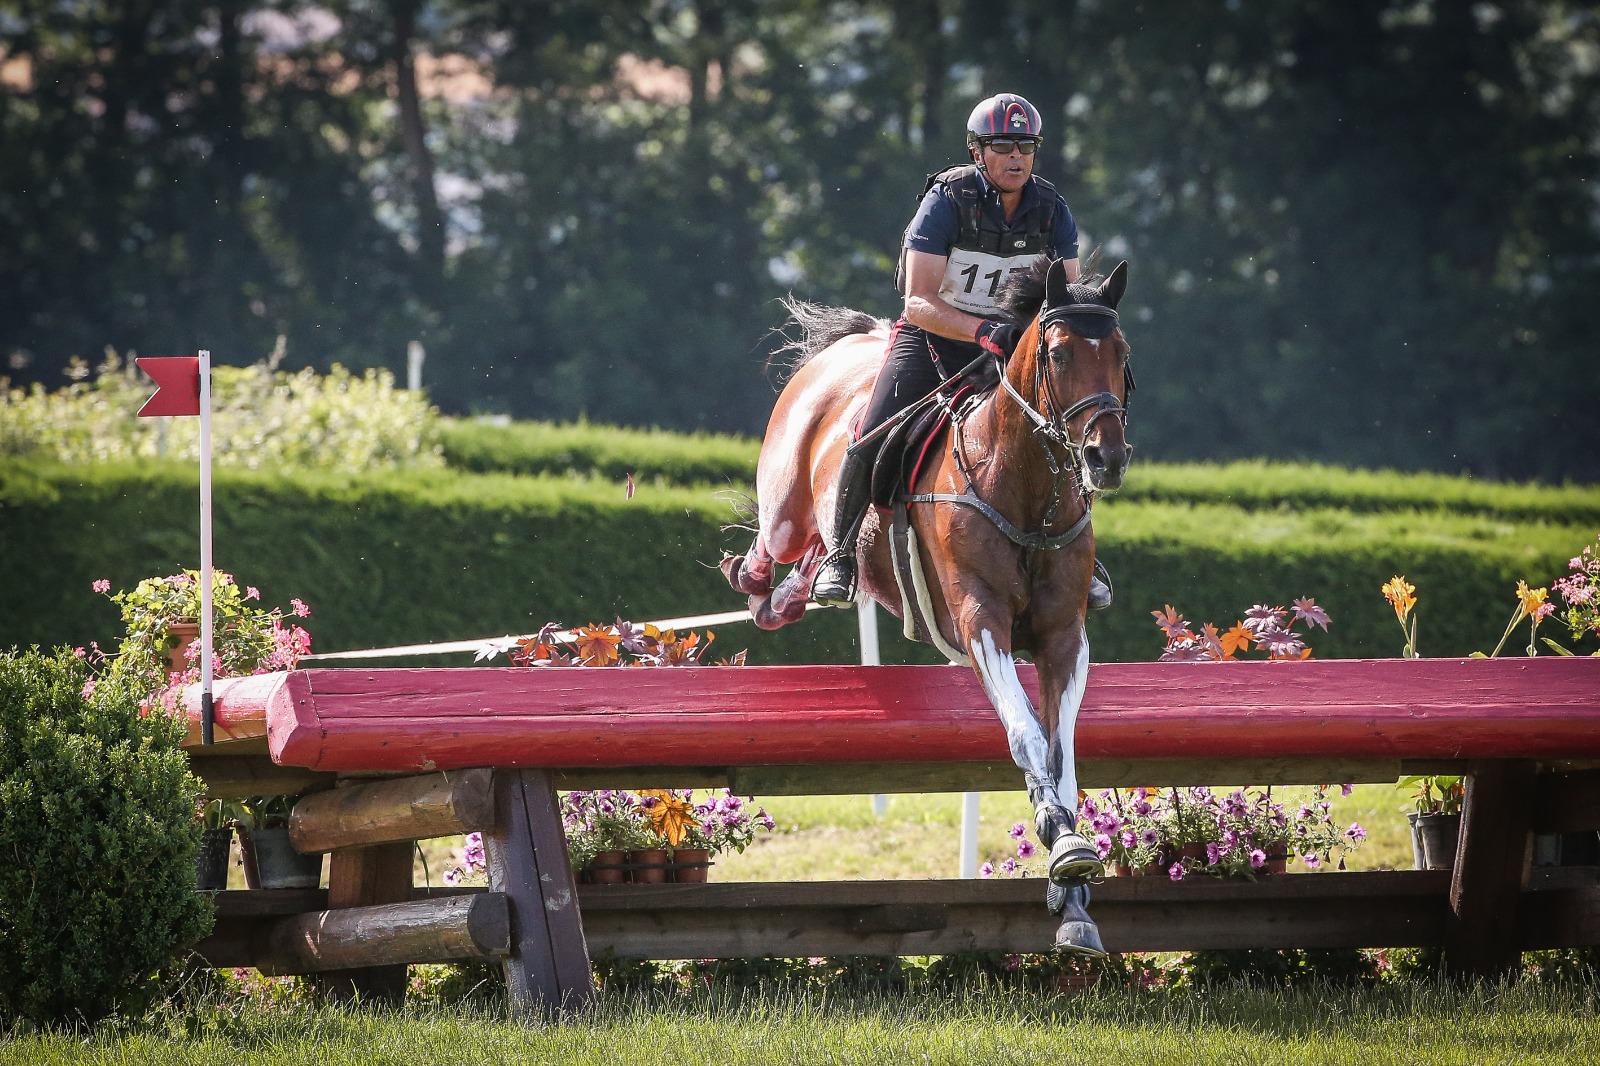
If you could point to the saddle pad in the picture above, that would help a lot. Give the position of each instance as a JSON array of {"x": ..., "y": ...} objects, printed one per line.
[{"x": 902, "y": 450}]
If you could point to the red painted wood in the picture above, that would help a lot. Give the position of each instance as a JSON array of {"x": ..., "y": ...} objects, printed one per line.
[{"x": 361, "y": 719}]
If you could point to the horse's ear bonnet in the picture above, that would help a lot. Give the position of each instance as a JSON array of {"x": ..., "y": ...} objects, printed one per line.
[{"x": 1087, "y": 310}]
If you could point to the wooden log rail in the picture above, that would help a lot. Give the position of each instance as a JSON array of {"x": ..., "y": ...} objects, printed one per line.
[{"x": 1526, "y": 732}]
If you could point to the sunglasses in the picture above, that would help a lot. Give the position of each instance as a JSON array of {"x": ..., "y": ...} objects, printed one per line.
[{"x": 1006, "y": 145}]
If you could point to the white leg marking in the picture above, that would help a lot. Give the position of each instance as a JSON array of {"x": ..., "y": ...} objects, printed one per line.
[
  {"x": 1067, "y": 723},
  {"x": 998, "y": 672}
]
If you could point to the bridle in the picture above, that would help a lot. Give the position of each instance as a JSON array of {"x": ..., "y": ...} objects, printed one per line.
[{"x": 1054, "y": 432}]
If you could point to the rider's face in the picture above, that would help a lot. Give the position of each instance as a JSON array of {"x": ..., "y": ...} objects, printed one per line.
[{"x": 1008, "y": 172}]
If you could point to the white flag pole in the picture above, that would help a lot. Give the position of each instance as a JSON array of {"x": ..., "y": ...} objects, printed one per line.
[{"x": 206, "y": 664}]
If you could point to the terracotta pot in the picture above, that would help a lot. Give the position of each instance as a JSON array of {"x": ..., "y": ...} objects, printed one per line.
[
  {"x": 649, "y": 866},
  {"x": 211, "y": 862},
  {"x": 1439, "y": 833},
  {"x": 1122, "y": 869},
  {"x": 1276, "y": 864},
  {"x": 279, "y": 865},
  {"x": 609, "y": 868},
  {"x": 185, "y": 633},
  {"x": 1072, "y": 984},
  {"x": 691, "y": 866}
]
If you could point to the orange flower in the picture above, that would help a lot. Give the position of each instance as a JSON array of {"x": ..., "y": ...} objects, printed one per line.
[
  {"x": 597, "y": 645},
  {"x": 1400, "y": 595},
  {"x": 1531, "y": 599},
  {"x": 670, "y": 816}
]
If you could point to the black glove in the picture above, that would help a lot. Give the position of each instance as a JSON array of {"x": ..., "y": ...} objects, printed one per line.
[{"x": 998, "y": 338}]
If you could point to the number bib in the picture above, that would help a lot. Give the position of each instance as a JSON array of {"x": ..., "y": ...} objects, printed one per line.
[{"x": 972, "y": 279}]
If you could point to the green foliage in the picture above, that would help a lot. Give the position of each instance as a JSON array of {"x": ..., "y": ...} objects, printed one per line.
[
  {"x": 98, "y": 830},
  {"x": 414, "y": 557},
  {"x": 262, "y": 418},
  {"x": 1285, "y": 967},
  {"x": 609, "y": 452}
]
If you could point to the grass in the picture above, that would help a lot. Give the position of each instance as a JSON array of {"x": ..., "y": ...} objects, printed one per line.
[{"x": 1398, "y": 1024}]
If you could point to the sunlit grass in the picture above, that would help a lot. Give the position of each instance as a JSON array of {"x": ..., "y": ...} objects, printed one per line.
[{"x": 1399, "y": 1024}]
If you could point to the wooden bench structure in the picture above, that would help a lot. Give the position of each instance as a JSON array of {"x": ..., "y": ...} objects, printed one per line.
[{"x": 404, "y": 755}]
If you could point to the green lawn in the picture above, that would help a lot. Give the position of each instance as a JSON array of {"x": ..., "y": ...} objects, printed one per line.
[{"x": 1403, "y": 1025}]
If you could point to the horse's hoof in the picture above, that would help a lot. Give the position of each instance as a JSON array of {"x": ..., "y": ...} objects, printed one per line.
[
  {"x": 1080, "y": 938},
  {"x": 1073, "y": 860},
  {"x": 1077, "y": 932}
]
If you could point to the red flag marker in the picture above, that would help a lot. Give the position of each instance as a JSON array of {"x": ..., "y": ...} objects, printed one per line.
[{"x": 177, "y": 381}]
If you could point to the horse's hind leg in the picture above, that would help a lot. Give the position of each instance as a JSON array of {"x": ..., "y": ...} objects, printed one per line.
[
  {"x": 750, "y": 573},
  {"x": 787, "y": 602}
]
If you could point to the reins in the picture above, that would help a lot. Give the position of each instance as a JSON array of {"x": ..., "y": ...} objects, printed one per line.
[{"x": 1051, "y": 431}]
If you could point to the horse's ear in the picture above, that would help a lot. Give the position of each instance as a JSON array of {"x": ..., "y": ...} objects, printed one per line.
[
  {"x": 1055, "y": 284},
  {"x": 1112, "y": 288}
]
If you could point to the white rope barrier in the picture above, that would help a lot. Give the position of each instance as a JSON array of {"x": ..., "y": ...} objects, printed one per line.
[{"x": 487, "y": 647}]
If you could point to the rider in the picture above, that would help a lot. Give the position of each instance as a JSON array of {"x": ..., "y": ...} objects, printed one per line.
[{"x": 977, "y": 224}]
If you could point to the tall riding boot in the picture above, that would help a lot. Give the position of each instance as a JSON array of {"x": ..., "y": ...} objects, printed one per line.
[
  {"x": 1099, "y": 588},
  {"x": 835, "y": 583}
]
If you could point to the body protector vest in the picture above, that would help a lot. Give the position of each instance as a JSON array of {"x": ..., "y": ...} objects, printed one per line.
[{"x": 984, "y": 255}]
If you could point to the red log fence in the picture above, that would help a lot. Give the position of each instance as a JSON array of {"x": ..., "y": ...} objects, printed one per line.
[{"x": 390, "y": 756}]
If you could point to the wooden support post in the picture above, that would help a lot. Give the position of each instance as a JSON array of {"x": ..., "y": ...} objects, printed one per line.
[
  {"x": 548, "y": 968},
  {"x": 1493, "y": 861},
  {"x": 363, "y": 877}
]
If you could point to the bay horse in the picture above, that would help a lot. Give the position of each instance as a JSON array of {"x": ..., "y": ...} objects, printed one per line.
[{"x": 1000, "y": 517}]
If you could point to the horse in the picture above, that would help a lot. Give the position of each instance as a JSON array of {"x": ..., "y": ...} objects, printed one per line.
[{"x": 1000, "y": 513}]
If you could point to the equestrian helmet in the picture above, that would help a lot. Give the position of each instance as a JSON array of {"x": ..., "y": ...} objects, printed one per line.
[{"x": 1004, "y": 115}]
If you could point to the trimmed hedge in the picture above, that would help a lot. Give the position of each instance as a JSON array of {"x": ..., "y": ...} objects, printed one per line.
[
  {"x": 424, "y": 556},
  {"x": 610, "y": 452}
]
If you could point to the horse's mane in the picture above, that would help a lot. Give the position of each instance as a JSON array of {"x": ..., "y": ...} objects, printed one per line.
[
  {"x": 1023, "y": 292},
  {"x": 819, "y": 326}
]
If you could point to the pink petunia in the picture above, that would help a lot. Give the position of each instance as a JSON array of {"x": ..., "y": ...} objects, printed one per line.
[
  {"x": 986, "y": 870},
  {"x": 1176, "y": 872},
  {"x": 1025, "y": 848},
  {"x": 1017, "y": 831},
  {"x": 1258, "y": 858},
  {"x": 1312, "y": 861},
  {"x": 1008, "y": 867}
]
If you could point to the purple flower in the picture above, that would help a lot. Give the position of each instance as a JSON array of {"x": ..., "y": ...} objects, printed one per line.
[
  {"x": 1305, "y": 811},
  {"x": 1213, "y": 853},
  {"x": 1176, "y": 871},
  {"x": 1128, "y": 838},
  {"x": 1102, "y": 844},
  {"x": 1025, "y": 849},
  {"x": 1008, "y": 867},
  {"x": 1312, "y": 861},
  {"x": 1258, "y": 858},
  {"x": 1149, "y": 836},
  {"x": 1345, "y": 790},
  {"x": 1089, "y": 809},
  {"x": 1230, "y": 838},
  {"x": 1141, "y": 808},
  {"x": 1106, "y": 822},
  {"x": 986, "y": 870},
  {"x": 1018, "y": 831},
  {"x": 1356, "y": 833}
]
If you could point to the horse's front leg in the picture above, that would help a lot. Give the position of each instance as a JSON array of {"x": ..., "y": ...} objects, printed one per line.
[
  {"x": 1063, "y": 676},
  {"x": 1038, "y": 753}
]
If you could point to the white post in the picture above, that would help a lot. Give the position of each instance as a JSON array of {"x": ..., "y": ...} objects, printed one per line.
[
  {"x": 867, "y": 625},
  {"x": 414, "y": 357},
  {"x": 206, "y": 716},
  {"x": 969, "y": 835}
]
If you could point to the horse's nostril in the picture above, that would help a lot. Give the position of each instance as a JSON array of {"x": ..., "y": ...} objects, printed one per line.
[{"x": 1093, "y": 457}]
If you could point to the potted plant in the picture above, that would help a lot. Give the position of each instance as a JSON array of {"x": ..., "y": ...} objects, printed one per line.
[
  {"x": 162, "y": 619},
  {"x": 218, "y": 818},
  {"x": 1436, "y": 820},
  {"x": 602, "y": 827},
  {"x": 722, "y": 823},
  {"x": 277, "y": 863}
]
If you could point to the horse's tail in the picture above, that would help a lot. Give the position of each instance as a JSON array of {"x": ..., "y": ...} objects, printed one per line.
[{"x": 819, "y": 326}]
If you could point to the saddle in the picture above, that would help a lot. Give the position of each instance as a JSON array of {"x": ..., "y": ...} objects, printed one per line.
[{"x": 907, "y": 446}]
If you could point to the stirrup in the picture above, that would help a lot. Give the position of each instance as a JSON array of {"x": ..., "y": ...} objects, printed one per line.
[
  {"x": 1074, "y": 860},
  {"x": 837, "y": 589},
  {"x": 1100, "y": 590}
]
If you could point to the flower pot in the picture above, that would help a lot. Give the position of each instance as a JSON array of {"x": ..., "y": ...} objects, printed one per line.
[
  {"x": 211, "y": 863},
  {"x": 1419, "y": 859},
  {"x": 609, "y": 868},
  {"x": 1276, "y": 864},
  {"x": 1072, "y": 984},
  {"x": 247, "y": 859},
  {"x": 1439, "y": 833},
  {"x": 279, "y": 865},
  {"x": 185, "y": 633},
  {"x": 649, "y": 866},
  {"x": 1122, "y": 869},
  {"x": 691, "y": 866}
]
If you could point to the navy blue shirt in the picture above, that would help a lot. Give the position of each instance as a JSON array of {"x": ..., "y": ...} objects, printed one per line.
[{"x": 937, "y": 227}]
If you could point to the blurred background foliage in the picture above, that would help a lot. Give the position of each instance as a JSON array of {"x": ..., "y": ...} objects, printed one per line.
[{"x": 1363, "y": 232}]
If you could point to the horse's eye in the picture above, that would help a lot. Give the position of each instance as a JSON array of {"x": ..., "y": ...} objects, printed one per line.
[{"x": 1060, "y": 353}]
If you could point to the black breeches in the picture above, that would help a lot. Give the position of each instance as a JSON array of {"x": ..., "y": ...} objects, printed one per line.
[{"x": 916, "y": 363}]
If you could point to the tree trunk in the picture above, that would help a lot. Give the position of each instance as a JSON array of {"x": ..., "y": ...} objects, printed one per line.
[{"x": 430, "y": 221}]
